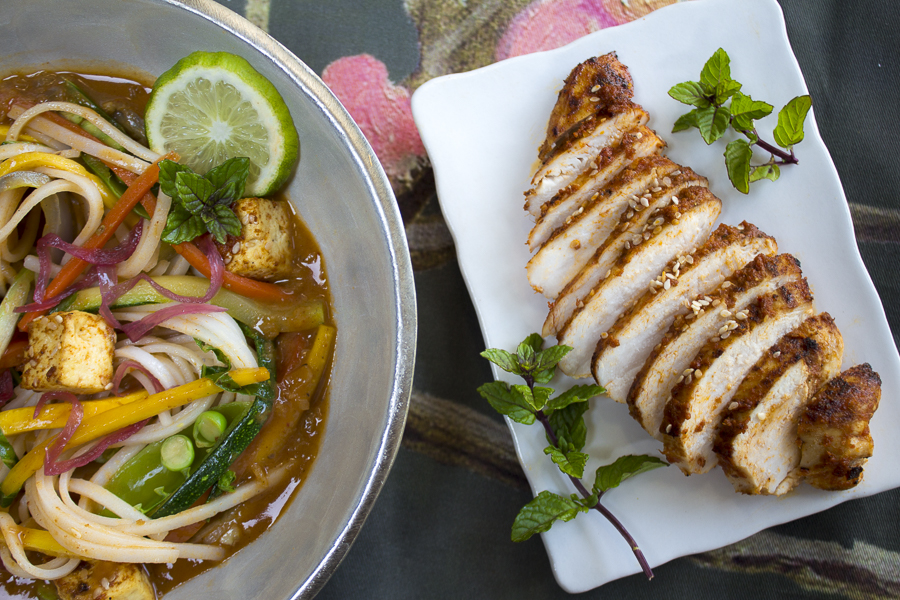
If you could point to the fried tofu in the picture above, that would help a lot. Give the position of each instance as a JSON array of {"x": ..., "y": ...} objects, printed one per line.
[
  {"x": 263, "y": 250},
  {"x": 102, "y": 580},
  {"x": 70, "y": 352}
]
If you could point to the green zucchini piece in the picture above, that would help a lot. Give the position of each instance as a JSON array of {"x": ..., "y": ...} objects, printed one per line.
[
  {"x": 235, "y": 440},
  {"x": 267, "y": 319}
]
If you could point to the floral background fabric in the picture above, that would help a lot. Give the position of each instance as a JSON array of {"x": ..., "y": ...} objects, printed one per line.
[{"x": 440, "y": 528}]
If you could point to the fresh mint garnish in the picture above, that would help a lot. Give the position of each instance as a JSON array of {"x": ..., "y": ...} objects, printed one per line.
[
  {"x": 562, "y": 417},
  {"x": 719, "y": 104},
  {"x": 202, "y": 204}
]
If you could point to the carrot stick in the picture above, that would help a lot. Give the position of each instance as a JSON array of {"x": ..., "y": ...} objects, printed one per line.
[
  {"x": 75, "y": 267},
  {"x": 14, "y": 354}
]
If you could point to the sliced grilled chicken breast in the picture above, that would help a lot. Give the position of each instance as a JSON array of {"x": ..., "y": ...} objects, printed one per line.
[
  {"x": 681, "y": 228},
  {"x": 834, "y": 430},
  {"x": 598, "y": 85},
  {"x": 571, "y": 246},
  {"x": 693, "y": 413},
  {"x": 630, "y": 225},
  {"x": 622, "y": 353},
  {"x": 578, "y": 151},
  {"x": 757, "y": 443},
  {"x": 688, "y": 333},
  {"x": 635, "y": 144}
]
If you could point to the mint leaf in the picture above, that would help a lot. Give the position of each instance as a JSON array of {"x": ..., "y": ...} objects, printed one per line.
[
  {"x": 507, "y": 401},
  {"x": 686, "y": 121},
  {"x": 789, "y": 130},
  {"x": 624, "y": 467},
  {"x": 737, "y": 161},
  {"x": 229, "y": 179},
  {"x": 716, "y": 71},
  {"x": 726, "y": 89},
  {"x": 770, "y": 171},
  {"x": 528, "y": 349},
  {"x": 539, "y": 515},
  {"x": 168, "y": 171},
  {"x": 578, "y": 393},
  {"x": 568, "y": 423},
  {"x": 571, "y": 462},
  {"x": 549, "y": 358},
  {"x": 690, "y": 92},
  {"x": 182, "y": 226},
  {"x": 193, "y": 191},
  {"x": 712, "y": 122},
  {"x": 745, "y": 110},
  {"x": 503, "y": 359},
  {"x": 536, "y": 398},
  {"x": 220, "y": 221}
]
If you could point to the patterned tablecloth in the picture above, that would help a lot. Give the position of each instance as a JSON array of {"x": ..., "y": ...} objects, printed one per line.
[{"x": 440, "y": 528}]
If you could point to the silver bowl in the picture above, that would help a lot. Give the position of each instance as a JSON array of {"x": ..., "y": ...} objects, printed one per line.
[{"x": 342, "y": 194}]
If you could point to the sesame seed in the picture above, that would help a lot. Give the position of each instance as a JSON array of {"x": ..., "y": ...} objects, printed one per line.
[
  {"x": 687, "y": 372},
  {"x": 740, "y": 227},
  {"x": 236, "y": 248},
  {"x": 680, "y": 379},
  {"x": 677, "y": 214},
  {"x": 688, "y": 379},
  {"x": 594, "y": 89},
  {"x": 675, "y": 173},
  {"x": 666, "y": 181},
  {"x": 675, "y": 200},
  {"x": 776, "y": 354},
  {"x": 667, "y": 284},
  {"x": 669, "y": 276},
  {"x": 638, "y": 135},
  {"x": 575, "y": 245},
  {"x": 608, "y": 271},
  {"x": 646, "y": 235},
  {"x": 732, "y": 325},
  {"x": 725, "y": 313},
  {"x": 604, "y": 335},
  {"x": 108, "y": 386},
  {"x": 645, "y": 202},
  {"x": 630, "y": 214},
  {"x": 668, "y": 428},
  {"x": 725, "y": 335},
  {"x": 726, "y": 284},
  {"x": 105, "y": 583},
  {"x": 698, "y": 373},
  {"x": 762, "y": 416},
  {"x": 58, "y": 319},
  {"x": 656, "y": 189},
  {"x": 723, "y": 329},
  {"x": 690, "y": 259},
  {"x": 628, "y": 245},
  {"x": 595, "y": 196},
  {"x": 595, "y": 99}
]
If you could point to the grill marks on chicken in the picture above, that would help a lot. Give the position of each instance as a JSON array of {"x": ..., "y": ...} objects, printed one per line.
[
  {"x": 757, "y": 441},
  {"x": 717, "y": 350},
  {"x": 834, "y": 430},
  {"x": 628, "y": 343}
]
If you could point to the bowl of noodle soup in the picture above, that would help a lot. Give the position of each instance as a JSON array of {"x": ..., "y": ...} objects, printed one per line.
[{"x": 348, "y": 216}]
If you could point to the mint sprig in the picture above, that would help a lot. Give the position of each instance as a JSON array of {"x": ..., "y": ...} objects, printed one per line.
[
  {"x": 562, "y": 417},
  {"x": 719, "y": 104},
  {"x": 202, "y": 204}
]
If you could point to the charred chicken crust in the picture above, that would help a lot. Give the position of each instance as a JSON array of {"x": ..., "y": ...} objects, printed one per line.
[
  {"x": 834, "y": 430},
  {"x": 599, "y": 85}
]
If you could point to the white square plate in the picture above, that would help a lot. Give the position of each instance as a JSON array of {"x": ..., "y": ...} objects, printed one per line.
[{"x": 482, "y": 130}]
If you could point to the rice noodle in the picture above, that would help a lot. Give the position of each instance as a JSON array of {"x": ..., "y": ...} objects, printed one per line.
[
  {"x": 16, "y": 246},
  {"x": 23, "y": 117},
  {"x": 90, "y": 193},
  {"x": 95, "y": 214},
  {"x": 149, "y": 244},
  {"x": 16, "y": 148},
  {"x": 15, "y": 555}
]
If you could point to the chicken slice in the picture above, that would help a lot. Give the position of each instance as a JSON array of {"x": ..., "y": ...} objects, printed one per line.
[
  {"x": 600, "y": 84},
  {"x": 102, "y": 579},
  {"x": 578, "y": 152},
  {"x": 682, "y": 227},
  {"x": 688, "y": 333},
  {"x": 693, "y": 413},
  {"x": 621, "y": 354},
  {"x": 572, "y": 245},
  {"x": 635, "y": 144},
  {"x": 630, "y": 224},
  {"x": 834, "y": 430},
  {"x": 757, "y": 443}
]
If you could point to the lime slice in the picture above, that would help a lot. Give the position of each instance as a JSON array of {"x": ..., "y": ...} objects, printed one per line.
[{"x": 212, "y": 106}]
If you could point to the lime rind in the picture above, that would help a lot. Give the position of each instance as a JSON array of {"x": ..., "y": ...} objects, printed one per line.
[{"x": 212, "y": 106}]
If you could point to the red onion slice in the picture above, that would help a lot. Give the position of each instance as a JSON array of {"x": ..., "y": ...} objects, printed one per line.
[
  {"x": 76, "y": 414},
  {"x": 89, "y": 280},
  {"x": 57, "y": 468},
  {"x": 139, "y": 329},
  {"x": 130, "y": 364},
  {"x": 7, "y": 388}
]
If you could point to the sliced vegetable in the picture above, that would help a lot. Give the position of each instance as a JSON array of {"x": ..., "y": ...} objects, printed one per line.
[
  {"x": 28, "y": 161},
  {"x": 111, "y": 222},
  {"x": 208, "y": 428},
  {"x": 14, "y": 355},
  {"x": 53, "y": 416},
  {"x": 270, "y": 319},
  {"x": 143, "y": 481},
  {"x": 234, "y": 441},
  {"x": 177, "y": 453},
  {"x": 4, "y": 129},
  {"x": 118, "y": 418},
  {"x": 16, "y": 296},
  {"x": 79, "y": 97}
]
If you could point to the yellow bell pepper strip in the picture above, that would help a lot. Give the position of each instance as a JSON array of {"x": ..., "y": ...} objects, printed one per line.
[
  {"x": 28, "y": 161},
  {"x": 122, "y": 416},
  {"x": 41, "y": 541},
  {"x": 54, "y": 416},
  {"x": 4, "y": 129}
]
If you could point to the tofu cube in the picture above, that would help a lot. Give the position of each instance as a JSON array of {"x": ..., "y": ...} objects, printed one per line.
[
  {"x": 93, "y": 580},
  {"x": 263, "y": 250},
  {"x": 71, "y": 352}
]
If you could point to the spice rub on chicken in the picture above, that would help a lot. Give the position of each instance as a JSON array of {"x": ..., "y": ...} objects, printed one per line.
[{"x": 710, "y": 338}]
